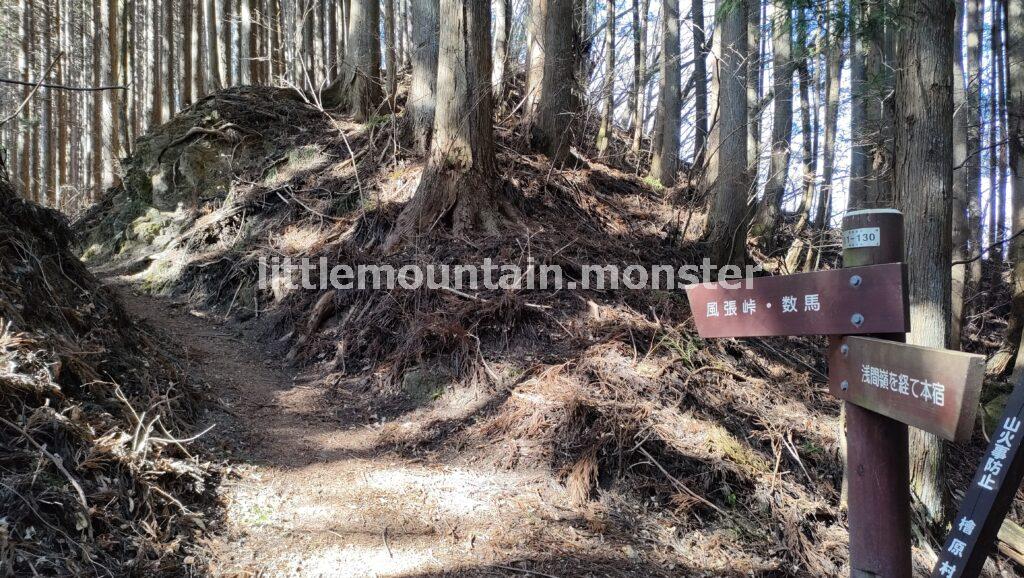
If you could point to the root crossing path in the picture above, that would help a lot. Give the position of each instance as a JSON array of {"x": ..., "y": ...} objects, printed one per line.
[{"x": 309, "y": 495}]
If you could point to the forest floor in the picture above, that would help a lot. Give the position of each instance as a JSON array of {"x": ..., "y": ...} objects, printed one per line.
[{"x": 311, "y": 493}]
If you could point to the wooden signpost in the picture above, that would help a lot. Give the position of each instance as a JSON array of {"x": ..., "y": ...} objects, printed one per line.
[
  {"x": 887, "y": 385},
  {"x": 930, "y": 389},
  {"x": 846, "y": 301},
  {"x": 987, "y": 501}
]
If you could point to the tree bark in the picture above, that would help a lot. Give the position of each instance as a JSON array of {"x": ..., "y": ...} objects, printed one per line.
[
  {"x": 357, "y": 90},
  {"x": 1015, "y": 144},
  {"x": 392, "y": 55},
  {"x": 641, "y": 9},
  {"x": 923, "y": 185},
  {"x": 502, "y": 44},
  {"x": 458, "y": 188},
  {"x": 974, "y": 23},
  {"x": 422, "y": 93},
  {"x": 727, "y": 178},
  {"x": 700, "y": 87},
  {"x": 665, "y": 163},
  {"x": 554, "y": 123},
  {"x": 961, "y": 184},
  {"x": 754, "y": 67},
  {"x": 215, "y": 60},
  {"x": 766, "y": 222},
  {"x": 871, "y": 110},
  {"x": 604, "y": 133}
]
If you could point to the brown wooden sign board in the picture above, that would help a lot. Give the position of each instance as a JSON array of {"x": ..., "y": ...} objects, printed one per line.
[
  {"x": 860, "y": 300},
  {"x": 986, "y": 502},
  {"x": 931, "y": 389}
]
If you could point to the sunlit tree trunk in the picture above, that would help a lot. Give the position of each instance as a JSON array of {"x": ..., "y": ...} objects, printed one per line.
[
  {"x": 502, "y": 48},
  {"x": 604, "y": 133},
  {"x": 960, "y": 220},
  {"x": 700, "y": 87},
  {"x": 358, "y": 89},
  {"x": 422, "y": 93},
  {"x": 458, "y": 189},
  {"x": 923, "y": 185},
  {"x": 554, "y": 124},
  {"x": 641, "y": 8},
  {"x": 665, "y": 162},
  {"x": 727, "y": 178},
  {"x": 1015, "y": 114},
  {"x": 782, "y": 125}
]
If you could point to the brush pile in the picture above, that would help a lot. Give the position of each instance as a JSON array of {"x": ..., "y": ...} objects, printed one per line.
[{"x": 94, "y": 479}]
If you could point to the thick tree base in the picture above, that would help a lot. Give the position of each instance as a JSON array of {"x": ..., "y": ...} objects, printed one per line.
[{"x": 465, "y": 203}]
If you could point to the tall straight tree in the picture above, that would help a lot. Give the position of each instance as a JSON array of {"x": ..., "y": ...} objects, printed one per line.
[
  {"x": 604, "y": 133},
  {"x": 459, "y": 185},
  {"x": 961, "y": 183},
  {"x": 553, "y": 122},
  {"x": 665, "y": 163},
  {"x": 700, "y": 85},
  {"x": 727, "y": 178},
  {"x": 638, "y": 96},
  {"x": 754, "y": 68},
  {"x": 871, "y": 112},
  {"x": 502, "y": 47},
  {"x": 782, "y": 124},
  {"x": 1015, "y": 113},
  {"x": 423, "y": 92},
  {"x": 390, "y": 44},
  {"x": 923, "y": 183},
  {"x": 357, "y": 90},
  {"x": 213, "y": 47},
  {"x": 974, "y": 24}
]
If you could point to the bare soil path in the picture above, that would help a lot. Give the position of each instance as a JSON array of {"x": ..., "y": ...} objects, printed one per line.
[{"x": 310, "y": 495}]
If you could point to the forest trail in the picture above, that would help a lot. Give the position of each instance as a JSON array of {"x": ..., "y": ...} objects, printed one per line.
[{"x": 310, "y": 495}]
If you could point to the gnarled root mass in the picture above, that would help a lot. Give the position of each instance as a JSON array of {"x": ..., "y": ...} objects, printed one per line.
[{"x": 466, "y": 203}]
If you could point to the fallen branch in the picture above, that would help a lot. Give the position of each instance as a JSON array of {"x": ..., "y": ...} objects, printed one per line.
[
  {"x": 32, "y": 92},
  {"x": 60, "y": 466}
]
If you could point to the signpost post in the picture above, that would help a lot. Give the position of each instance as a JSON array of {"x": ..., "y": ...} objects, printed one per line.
[
  {"x": 886, "y": 385},
  {"x": 877, "y": 451}
]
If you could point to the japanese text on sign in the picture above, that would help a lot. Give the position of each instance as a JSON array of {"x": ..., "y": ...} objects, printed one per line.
[
  {"x": 789, "y": 304},
  {"x": 903, "y": 384}
]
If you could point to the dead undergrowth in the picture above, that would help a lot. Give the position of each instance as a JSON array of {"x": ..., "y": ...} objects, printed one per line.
[
  {"x": 722, "y": 457},
  {"x": 95, "y": 420}
]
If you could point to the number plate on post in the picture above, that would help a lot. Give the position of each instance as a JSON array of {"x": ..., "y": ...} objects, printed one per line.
[
  {"x": 859, "y": 300},
  {"x": 931, "y": 389},
  {"x": 863, "y": 237}
]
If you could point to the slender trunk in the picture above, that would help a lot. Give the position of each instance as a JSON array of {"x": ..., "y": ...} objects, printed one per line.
[
  {"x": 754, "y": 67},
  {"x": 726, "y": 178},
  {"x": 767, "y": 219},
  {"x": 554, "y": 127},
  {"x": 923, "y": 185},
  {"x": 641, "y": 75},
  {"x": 357, "y": 89},
  {"x": 169, "y": 59},
  {"x": 960, "y": 220},
  {"x": 186, "y": 48},
  {"x": 392, "y": 56},
  {"x": 332, "y": 40},
  {"x": 97, "y": 143},
  {"x": 226, "y": 21},
  {"x": 700, "y": 91},
  {"x": 422, "y": 93},
  {"x": 974, "y": 23},
  {"x": 213, "y": 44},
  {"x": 665, "y": 163},
  {"x": 49, "y": 196},
  {"x": 604, "y": 134},
  {"x": 502, "y": 54},
  {"x": 534, "y": 56},
  {"x": 1015, "y": 113}
]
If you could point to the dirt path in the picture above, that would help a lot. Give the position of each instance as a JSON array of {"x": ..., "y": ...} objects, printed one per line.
[{"x": 312, "y": 496}]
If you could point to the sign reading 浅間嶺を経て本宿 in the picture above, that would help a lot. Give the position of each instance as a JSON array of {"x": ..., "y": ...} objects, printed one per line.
[
  {"x": 931, "y": 389},
  {"x": 859, "y": 300},
  {"x": 988, "y": 499}
]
